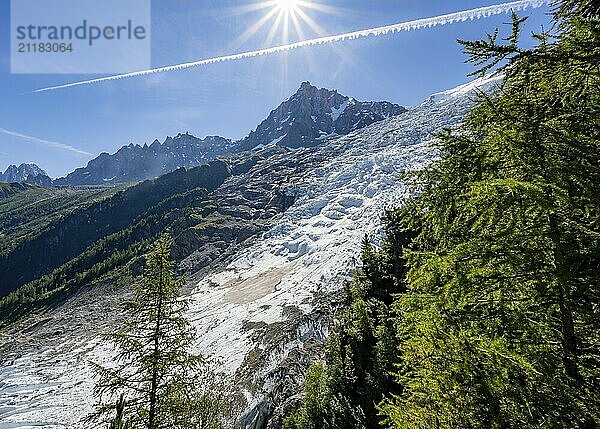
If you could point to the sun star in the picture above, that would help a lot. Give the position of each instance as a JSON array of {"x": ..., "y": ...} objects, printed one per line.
[
  {"x": 288, "y": 6},
  {"x": 286, "y": 19}
]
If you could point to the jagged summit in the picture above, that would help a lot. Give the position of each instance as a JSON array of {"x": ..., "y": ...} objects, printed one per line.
[
  {"x": 134, "y": 162},
  {"x": 26, "y": 172},
  {"x": 314, "y": 114}
]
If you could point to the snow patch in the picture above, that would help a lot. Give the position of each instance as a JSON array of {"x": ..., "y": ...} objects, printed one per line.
[
  {"x": 337, "y": 111},
  {"x": 479, "y": 84}
]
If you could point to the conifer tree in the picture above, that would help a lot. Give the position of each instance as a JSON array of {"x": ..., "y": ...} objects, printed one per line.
[
  {"x": 500, "y": 326},
  {"x": 160, "y": 381},
  {"x": 343, "y": 391},
  {"x": 577, "y": 9}
]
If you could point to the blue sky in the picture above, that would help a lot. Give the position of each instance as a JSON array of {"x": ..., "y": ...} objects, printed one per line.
[{"x": 230, "y": 99}]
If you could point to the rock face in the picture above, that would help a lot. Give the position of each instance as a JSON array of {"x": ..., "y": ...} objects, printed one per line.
[
  {"x": 134, "y": 163},
  {"x": 266, "y": 263},
  {"x": 26, "y": 173},
  {"x": 305, "y": 119},
  {"x": 314, "y": 114}
]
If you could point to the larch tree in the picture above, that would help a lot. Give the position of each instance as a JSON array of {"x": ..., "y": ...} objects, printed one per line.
[
  {"x": 500, "y": 325},
  {"x": 161, "y": 382}
]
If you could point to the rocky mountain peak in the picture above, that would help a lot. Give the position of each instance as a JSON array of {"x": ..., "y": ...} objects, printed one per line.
[
  {"x": 306, "y": 85},
  {"x": 134, "y": 162},
  {"x": 312, "y": 115},
  {"x": 11, "y": 170},
  {"x": 26, "y": 172}
]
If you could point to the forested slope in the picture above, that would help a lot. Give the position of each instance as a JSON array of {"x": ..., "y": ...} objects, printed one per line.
[{"x": 480, "y": 309}]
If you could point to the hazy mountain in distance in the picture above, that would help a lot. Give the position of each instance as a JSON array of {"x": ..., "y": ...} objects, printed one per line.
[
  {"x": 26, "y": 173},
  {"x": 134, "y": 163}
]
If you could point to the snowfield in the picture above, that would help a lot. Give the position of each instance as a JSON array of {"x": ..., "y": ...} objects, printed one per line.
[{"x": 274, "y": 281}]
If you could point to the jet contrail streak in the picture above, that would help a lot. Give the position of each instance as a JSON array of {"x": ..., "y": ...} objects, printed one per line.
[
  {"x": 472, "y": 14},
  {"x": 45, "y": 142}
]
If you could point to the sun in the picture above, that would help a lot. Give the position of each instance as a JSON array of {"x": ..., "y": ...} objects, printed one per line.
[
  {"x": 288, "y": 6},
  {"x": 287, "y": 19}
]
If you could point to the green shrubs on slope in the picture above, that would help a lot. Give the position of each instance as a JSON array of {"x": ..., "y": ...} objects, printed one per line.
[
  {"x": 163, "y": 204},
  {"x": 67, "y": 238}
]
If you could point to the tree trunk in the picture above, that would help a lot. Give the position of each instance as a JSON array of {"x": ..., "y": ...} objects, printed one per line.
[
  {"x": 154, "y": 382},
  {"x": 568, "y": 337}
]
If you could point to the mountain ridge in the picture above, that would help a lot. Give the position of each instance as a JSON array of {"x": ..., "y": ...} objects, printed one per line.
[
  {"x": 307, "y": 118},
  {"x": 134, "y": 162},
  {"x": 313, "y": 114}
]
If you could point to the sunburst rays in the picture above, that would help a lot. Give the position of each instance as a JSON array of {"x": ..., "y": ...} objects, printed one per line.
[
  {"x": 281, "y": 22},
  {"x": 288, "y": 19}
]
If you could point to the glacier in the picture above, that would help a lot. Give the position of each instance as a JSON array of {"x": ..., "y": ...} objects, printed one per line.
[{"x": 274, "y": 298}]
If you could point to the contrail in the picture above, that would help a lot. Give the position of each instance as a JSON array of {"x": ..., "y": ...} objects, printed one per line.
[
  {"x": 472, "y": 14},
  {"x": 50, "y": 143}
]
